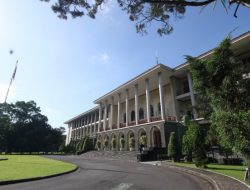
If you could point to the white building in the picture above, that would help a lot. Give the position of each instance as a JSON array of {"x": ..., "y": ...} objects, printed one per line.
[{"x": 150, "y": 104}]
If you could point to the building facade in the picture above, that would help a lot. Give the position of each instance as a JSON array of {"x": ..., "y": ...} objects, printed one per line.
[{"x": 149, "y": 105}]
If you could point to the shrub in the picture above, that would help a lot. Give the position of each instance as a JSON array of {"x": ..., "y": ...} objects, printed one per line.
[
  {"x": 172, "y": 149},
  {"x": 143, "y": 140},
  {"x": 131, "y": 142},
  {"x": 122, "y": 142},
  {"x": 106, "y": 143},
  {"x": 98, "y": 144},
  {"x": 113, "y": 142}
]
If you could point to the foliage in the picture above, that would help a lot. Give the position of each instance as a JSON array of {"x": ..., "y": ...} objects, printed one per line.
[
  {"x": 221, "y": 79},
  {"x": 113, "y": 142},
  {"x": 106, "y": 143},
  {"x": 67, "y": 148},
  {"x": 172, "y": 148},
  {"x": 87, "y": 145},
  {"x": 142, "y": 12},
  {"x": 131, "y": 142},
  {"x": 234, "y": 130},
  {"x": 24, "y": 129},
  {"x": 98, "y": 144},
  {"x": 194, "y": 144},
  {"x": 143, "y": 140},
  {"x": 122, "y": 142}
]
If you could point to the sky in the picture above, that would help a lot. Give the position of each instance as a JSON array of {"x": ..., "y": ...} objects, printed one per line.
[{"x": 64, "y": 65}]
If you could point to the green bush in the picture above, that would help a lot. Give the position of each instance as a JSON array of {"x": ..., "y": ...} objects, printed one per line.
[
  {"x": 122, "y": 142},
  {"x": 98, "y": 144},
  {"x": 172, "y": 149},
  {"x": 113, "y": 142},
  {"x": 131, "y": 142},
  {"x": 143, "y": 140},
  {"x": 106, "y": 143}
]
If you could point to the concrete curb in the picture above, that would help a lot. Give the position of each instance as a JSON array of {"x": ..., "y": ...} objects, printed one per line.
[
  {"x": 230, "y": 177},
  {"x": 191, "y": 172},
  {"x": 36, "y": 178},
  {"x": 187, "y": 170}
]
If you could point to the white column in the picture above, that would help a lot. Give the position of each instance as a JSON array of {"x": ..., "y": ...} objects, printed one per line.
[
  {"x": 105, "y": 115},
  {"x": 118, "y": 110},
  {"x": 91, "y": 120},
  {"x": 127, "y": 107},
  {"x": 190, "y": 84},
  {"x": 95, "y": 123},
  {"x": 161, "y": 94},
  {"x": 173, "y": 96},
  {"x": 147, "y": 100},
  {"x": 100, "y": 115},
  {"x": 111, "y": 112},
  {"x": 136, "y": 105}
]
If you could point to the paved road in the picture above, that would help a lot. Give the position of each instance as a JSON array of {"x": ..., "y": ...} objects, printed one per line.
[{"x": 114, "y": 175}]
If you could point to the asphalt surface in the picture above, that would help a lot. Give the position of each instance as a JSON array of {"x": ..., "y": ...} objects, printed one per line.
[{"x": 97, "y": 174}]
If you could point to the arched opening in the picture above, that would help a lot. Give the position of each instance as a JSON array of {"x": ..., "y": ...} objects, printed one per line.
[
  {"x": 131, "y": 140},
  {"x": 133, "y": 115},
  {"x": 156, "y": 137},
  {"x": 141, "y": 113},
  {"x": 106, "y": 142},
  {"x": 120, "y": 136},
  {"x": 113, "y": 141},
  {"x": 142, "y": 138}
]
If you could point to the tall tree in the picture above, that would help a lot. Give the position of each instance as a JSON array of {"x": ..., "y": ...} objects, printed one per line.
[
  {"x": 223, "y": 80},
  {"x": 142, "y": 12},
  {"x": 172, "y": 147},
  {"x": 24, "y": 129}
]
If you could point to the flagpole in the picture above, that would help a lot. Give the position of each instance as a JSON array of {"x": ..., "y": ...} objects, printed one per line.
[{"x": 11, "y": 80}]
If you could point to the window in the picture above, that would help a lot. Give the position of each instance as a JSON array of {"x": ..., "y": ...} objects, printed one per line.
[
  {"x": 141, "y": 113},
  {"x": 185, "y": 86},
  {"x": 151, "y": 111},
  {"x": 124, "y": 118},
  {"x": 159, "y": 108},
  {"x": 133, "y": 115}
]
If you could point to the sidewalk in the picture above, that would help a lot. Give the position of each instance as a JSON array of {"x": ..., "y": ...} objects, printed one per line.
[{"x": 222, "y": 182}]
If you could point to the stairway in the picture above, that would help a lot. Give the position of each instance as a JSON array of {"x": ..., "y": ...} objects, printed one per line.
[{"x": 114, "y": 155}]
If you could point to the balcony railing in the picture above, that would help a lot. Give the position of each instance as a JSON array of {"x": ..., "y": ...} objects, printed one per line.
[
  {"x": 141, "y": 121},
  {"x": 170, "y": 118},
  {"x": 158, "y": 118},
  {"x": 114, "y": 126},
  {"x": 122, "y": 125},
  {"x": 131, "y": 123}
]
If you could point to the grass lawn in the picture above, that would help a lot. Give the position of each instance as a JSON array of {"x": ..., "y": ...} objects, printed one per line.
[
  {"x": 237, "y": 172},
  {"x": 28, "y": 166}
]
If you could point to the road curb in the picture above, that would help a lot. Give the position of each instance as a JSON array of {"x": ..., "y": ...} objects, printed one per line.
[
  {"x": 214, "y": 184},
  {"x": 187, "y": 170},
  {"x": 36, "y": 178},
  {"x": 229, "y": 177}
]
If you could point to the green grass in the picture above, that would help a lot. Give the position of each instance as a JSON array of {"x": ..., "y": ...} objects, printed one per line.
[
  {"x": 237, "y": 172},
  {"x": 29, "y": 166}
]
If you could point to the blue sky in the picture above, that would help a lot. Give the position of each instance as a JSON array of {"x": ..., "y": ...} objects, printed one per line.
[{"x": 65, "y": 65}]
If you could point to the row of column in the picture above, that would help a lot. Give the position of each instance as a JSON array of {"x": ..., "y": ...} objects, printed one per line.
[{"x": 161, "y": 97}]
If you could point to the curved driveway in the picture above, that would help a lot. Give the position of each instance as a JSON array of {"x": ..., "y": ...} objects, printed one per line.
[{"x": 94, "y": 174}]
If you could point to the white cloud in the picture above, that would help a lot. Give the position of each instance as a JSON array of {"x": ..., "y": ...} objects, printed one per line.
[
  {"x": 3, "y": 91},
  {"x": 104, "y": 57},
  {"x": 101, "y": 58}
]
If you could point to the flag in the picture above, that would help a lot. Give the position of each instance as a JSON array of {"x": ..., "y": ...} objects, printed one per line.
[{"x": 14, "y": 73}]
